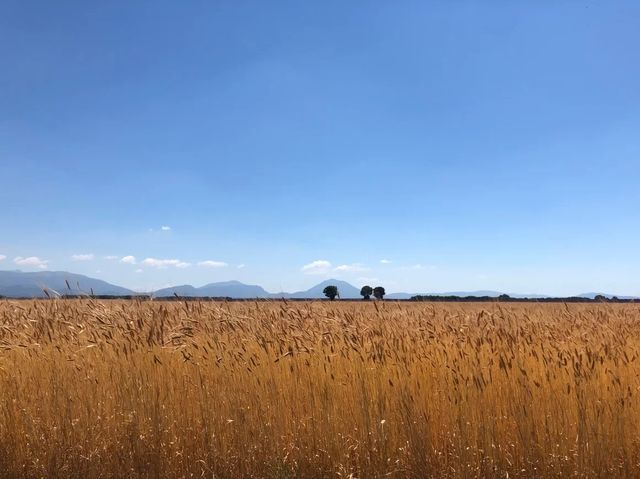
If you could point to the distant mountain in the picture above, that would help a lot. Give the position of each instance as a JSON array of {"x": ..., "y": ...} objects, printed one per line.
[
  {"x": 606, "y": 295},
  {"x": 17, "y": 284},
  {"x": 236, "y": 289},
  {"x": 491, "y": 294},
  {"x": 463, "y": 294},
  {"x": 399, "y": 295},
  {"x": 529, "y": 296},
  {"x": 225, "y": 289},
  {"x": 346, "y": 291},
  {"x": 183, "y": 290}
]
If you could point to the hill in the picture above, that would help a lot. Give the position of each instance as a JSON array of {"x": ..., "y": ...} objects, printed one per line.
[
  {"x": 465, "y": 294},
  {"x": 224, "y": 289},
  {"x": 346, "y": 290},
  {"x": 606, "y": 295},
  {"x": 17, "y": 284}
]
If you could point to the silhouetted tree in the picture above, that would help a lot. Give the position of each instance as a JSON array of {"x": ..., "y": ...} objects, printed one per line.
[
  {"x": 504, "y": 297},
  {"x": 366, "y": 292},
  {"x": 331, "y": 292},
  {"x": 379, "y": 292}
]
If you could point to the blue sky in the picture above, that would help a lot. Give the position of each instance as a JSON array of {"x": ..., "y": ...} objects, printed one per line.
[{"x": 471, "y": 145}]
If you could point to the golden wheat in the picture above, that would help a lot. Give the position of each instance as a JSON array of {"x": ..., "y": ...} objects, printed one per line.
[{"x": 315, "y": 389}]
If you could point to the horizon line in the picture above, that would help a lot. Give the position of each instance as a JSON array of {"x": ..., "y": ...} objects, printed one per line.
[{"x": 512, "y": 294}]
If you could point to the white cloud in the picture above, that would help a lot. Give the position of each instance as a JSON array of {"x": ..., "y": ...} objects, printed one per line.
[
  {"x": 351, "y": 268},
  {"x": 165, "y": 263},
  {"x": 320, "y": 266},
  {"x": 31, "y": 261},
  {"x": 416, "y": 266},
  {"x": 111, "y": 257},
  {"x": 2, "y": 256},
  {"x": 213, "y": 264},
  {"x": 82, "y": 257},
  {"x": 128, "y": 260},
  {"x": 139, "y": 270},
  {"x": 166, "y": 228},
  {"x": 323, "y": 266},
  {"x": 240, "y": 266},
  {"x": 385, "y": 261}
]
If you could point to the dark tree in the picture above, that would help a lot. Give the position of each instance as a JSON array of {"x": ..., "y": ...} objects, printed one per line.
[
  {"x": 366, "y": 292},
  {"x": 379, "y": 292},
  {"x": 331, "y": 292}
]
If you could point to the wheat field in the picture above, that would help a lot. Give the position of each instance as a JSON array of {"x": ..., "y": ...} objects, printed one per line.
[{"x": 280, "y": 389}]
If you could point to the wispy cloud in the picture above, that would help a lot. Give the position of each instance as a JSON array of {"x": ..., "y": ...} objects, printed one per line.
[
  {"x": 2, "y": 256},
  {"x": 111, "y": 257},
  {"x": 320, "y": 266},
  {"x": 351, "y": 268},
  {"x": 241, "y": 266},
  {"x": 32, "y": 261},
  {"x": 165, "y": 228},
  {"x": 165, "y": 263},
  {"x": 128, "y": 260},
  {"x": 385, "y": 261},
  {"x": 82, "y": 257},
  {"x": 364, "y": 279},
  {"x": 212, "y": 264},
  {"x": 139, "y": 270}
]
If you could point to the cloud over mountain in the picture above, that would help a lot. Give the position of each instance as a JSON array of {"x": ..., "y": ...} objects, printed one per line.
[
  {"x": 319, "y": 266},
  {"x": 33, "y": 261},
  {"x": 212, "y": 264},
  {"x": 165, "y": 263}
]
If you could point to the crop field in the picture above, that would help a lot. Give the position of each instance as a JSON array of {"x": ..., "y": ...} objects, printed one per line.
[{"x": 280, "y": 389}]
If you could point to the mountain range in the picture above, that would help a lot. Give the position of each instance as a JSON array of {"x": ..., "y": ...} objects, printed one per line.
[
  {"x": 231, "y": 289},
  {"x": 236, "y": 289},
  {"x": 18, "y": 284}
]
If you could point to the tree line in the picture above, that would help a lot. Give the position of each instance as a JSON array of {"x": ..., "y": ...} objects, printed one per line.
[{"x": 378, "y": 292}]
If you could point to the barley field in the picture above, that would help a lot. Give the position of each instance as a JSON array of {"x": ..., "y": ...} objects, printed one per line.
[{"x": 106, "y": 389}]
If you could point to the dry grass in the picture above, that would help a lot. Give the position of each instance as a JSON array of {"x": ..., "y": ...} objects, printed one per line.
[{"x": 230, "y": 390}]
